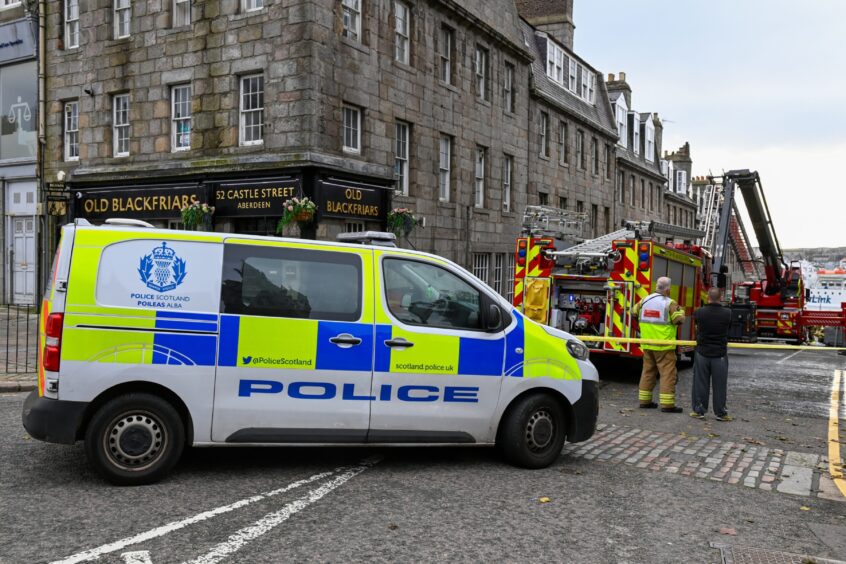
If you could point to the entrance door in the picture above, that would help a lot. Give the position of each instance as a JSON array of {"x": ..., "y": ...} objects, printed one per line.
[{"x": 23, "y": 260}]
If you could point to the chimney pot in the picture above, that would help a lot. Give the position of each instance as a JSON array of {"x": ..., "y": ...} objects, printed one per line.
[
  {"x": 622, "y": 76},
  {"x": 610, "y": 77}
]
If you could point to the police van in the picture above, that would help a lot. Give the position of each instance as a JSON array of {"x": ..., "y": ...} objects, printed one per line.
[{"x": 151, "y": 340}]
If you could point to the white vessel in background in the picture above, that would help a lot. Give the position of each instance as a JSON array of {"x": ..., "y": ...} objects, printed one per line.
[{"x": 827, "y": 289}]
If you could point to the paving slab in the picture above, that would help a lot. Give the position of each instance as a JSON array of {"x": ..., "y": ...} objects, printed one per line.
[{"x": 796, "y": 480}]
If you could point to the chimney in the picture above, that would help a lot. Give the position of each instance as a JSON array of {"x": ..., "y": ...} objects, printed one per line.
[
  {"x": 610, "y": 77},
  {"x": 554, "y": 17},
  {"x": 622, "y": 76},
  {"x": 620, "y": 85}
]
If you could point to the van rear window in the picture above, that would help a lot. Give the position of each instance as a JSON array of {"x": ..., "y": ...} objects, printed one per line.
[{"x": 295, "y": 283}]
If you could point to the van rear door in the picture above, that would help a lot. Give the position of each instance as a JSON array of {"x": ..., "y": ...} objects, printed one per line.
[{"x": 54, "y": 302}]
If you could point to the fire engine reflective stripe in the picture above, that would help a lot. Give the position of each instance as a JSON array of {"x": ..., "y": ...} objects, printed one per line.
[
  {"x": 644, "y": 395},
  {"x": 678, "y": 342}
]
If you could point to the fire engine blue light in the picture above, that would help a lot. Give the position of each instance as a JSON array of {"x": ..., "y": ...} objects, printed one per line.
[
  {"x": 644, "y": 256},
  {"x": 521, "y": 252}
]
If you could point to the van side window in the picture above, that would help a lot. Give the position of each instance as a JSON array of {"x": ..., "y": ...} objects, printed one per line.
[
  {"x": 424, "y": 294},
  {"x": 297, "y": 283}
]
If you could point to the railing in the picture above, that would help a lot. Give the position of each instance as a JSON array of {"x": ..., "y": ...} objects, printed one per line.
[{"x": 18, "y": 339}]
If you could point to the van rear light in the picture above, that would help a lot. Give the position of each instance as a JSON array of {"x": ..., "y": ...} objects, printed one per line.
[{"x": 53, "y": 341}]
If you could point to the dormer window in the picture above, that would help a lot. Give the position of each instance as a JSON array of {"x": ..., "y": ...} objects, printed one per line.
[
  {"x": 635, "y": 132},
  {"x": 569, "y": 73},
  {"x": 650, "y": 140},
  {"x": 621, "y": 114}
]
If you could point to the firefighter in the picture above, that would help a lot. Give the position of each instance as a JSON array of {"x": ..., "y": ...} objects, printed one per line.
[{"x": 659, "y": 315}]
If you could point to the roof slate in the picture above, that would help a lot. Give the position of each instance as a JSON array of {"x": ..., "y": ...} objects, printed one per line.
[
  {"x": 598, "y": 115},
  {"x": 499, "y": 15}
]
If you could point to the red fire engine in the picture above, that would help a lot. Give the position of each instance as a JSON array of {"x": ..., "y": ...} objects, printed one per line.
[{"x": 591, "y": 288}]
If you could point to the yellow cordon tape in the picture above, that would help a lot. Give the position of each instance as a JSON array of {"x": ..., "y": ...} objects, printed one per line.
[{"x": 595, "y": 339}]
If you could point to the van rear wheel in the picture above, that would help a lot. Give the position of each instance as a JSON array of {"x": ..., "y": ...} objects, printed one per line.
[
  {"x": 134, "y": 439},
  {"x": 533, "y": 432}
]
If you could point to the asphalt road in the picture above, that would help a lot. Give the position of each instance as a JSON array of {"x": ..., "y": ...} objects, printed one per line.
[{"x": 460, "y": 504}]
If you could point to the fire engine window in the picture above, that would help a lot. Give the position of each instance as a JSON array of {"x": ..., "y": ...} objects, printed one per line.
[
  {"x": 296, "y": 283},
  {"x": 424, "y": 294}
]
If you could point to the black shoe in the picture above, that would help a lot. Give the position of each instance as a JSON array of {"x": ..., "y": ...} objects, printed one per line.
[
  {"x": 676, "y": 409},
  {"x": 650, "y": 405}
]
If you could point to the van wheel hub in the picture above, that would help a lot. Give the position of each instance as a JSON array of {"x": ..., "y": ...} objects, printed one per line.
[
  {"x": 539, "y": 430},
  {"x": 135, "y": 440}
]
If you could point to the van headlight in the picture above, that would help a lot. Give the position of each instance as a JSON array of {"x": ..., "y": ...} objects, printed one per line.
[{"x": 577, "y": 350}]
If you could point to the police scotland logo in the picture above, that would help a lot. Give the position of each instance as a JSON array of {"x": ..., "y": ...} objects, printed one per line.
[{"x": 162, "y": 270}]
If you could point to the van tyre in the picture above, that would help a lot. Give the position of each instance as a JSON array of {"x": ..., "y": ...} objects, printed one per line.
[
  {"x": 533, "y": 432},
  {"x": 134, "y": 439}
]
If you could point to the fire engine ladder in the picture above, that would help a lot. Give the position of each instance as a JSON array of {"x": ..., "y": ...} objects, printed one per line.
[
  {"x": 712, "y": 210},
  {"x": 553, "y": 222},
  {"x": 598, "y": 247}
]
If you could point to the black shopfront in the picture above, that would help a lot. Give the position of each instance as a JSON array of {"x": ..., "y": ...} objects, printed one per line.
[{"x": 248, "y": 205}]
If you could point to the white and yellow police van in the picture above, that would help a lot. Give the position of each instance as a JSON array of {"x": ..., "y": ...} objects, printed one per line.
[{"x": 154, "y": 339}]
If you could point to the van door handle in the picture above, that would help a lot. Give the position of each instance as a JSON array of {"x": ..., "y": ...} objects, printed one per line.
[
  {"x": 399, "y": 342},
  {"x": 345, "y": 340}
]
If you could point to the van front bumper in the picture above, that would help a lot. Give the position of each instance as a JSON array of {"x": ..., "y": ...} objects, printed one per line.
[
  {"x": 585, "y": 413},
  {"x": 53, "y": 421}
]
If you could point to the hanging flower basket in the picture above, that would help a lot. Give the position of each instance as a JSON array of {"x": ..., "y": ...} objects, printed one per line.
[
  {"x": 402, "y": 221},
  {"x": 296, "y": 210},
  {"x": 196, "y": 215}
]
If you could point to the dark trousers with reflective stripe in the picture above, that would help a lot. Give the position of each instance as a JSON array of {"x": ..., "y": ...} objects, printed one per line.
[{"x": 710, "y": 372}]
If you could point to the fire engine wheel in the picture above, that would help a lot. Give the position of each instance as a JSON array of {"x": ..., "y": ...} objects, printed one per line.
[
  {"x": 533, "y": 432},
  {"x": 134, "y": 439}
]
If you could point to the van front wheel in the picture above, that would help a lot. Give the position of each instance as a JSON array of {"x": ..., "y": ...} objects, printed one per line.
[
  {"x": 533, "y": 432},
  {"x": 134, "y": 439}
]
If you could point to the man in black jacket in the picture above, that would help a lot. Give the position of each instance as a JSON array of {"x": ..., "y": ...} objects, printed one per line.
[{"x": 710, "y": 368}]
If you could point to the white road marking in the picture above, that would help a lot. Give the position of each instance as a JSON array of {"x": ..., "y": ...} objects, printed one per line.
[
  {"x": 264, "y": 525},
  {"x": 137, "y": 557},
  {"x": 788, "y": 357},
  {"x": 95, "y": 553}
]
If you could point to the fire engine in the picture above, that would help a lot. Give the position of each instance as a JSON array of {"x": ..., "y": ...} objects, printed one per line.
[{"x": 592, "y": 287}]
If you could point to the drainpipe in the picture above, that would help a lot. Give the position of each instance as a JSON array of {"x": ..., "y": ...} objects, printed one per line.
[{"x": 43, "y": 227}]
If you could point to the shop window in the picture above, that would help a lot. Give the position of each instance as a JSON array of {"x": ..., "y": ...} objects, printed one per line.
[
  {"x": 294, "y": 283},
  {"x": 354, "y": 227},
  {"x": 252, "y": 110}
]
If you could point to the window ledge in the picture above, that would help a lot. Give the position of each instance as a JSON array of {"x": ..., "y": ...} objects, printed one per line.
[
  {"x": 565, "y": 165},
  {"x": 175, "y": 30},
  {"x": 404, "y": 66},
  {"x": 357, "y": 45},
  {"x": 481, "y": 211},
  {"x": 509, "y": 214},
  {"x": 119, "y": 41},
  {"x": 449, "y": 86},
  {"x": 483, "y": 102},
  {"x": 446, "y": 205},
  {"x": 544, "y": 157},
  {"x": 244, "y": 15}
]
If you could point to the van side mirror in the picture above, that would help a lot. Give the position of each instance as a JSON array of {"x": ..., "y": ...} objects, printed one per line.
[{"x": 494, "y": 318}]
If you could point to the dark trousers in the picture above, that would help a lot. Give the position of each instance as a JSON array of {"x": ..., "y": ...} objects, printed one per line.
[{"x": 710, "y": 373}]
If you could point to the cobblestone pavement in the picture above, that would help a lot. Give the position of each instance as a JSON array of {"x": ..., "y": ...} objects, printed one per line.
[{"x": 753, "y": 466}]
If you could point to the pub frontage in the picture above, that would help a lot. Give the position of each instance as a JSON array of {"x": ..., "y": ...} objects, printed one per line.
[{"x": 242, "y": 204}]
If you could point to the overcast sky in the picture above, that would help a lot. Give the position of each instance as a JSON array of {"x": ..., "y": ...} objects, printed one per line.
[{"x": 757, "y": 84}]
